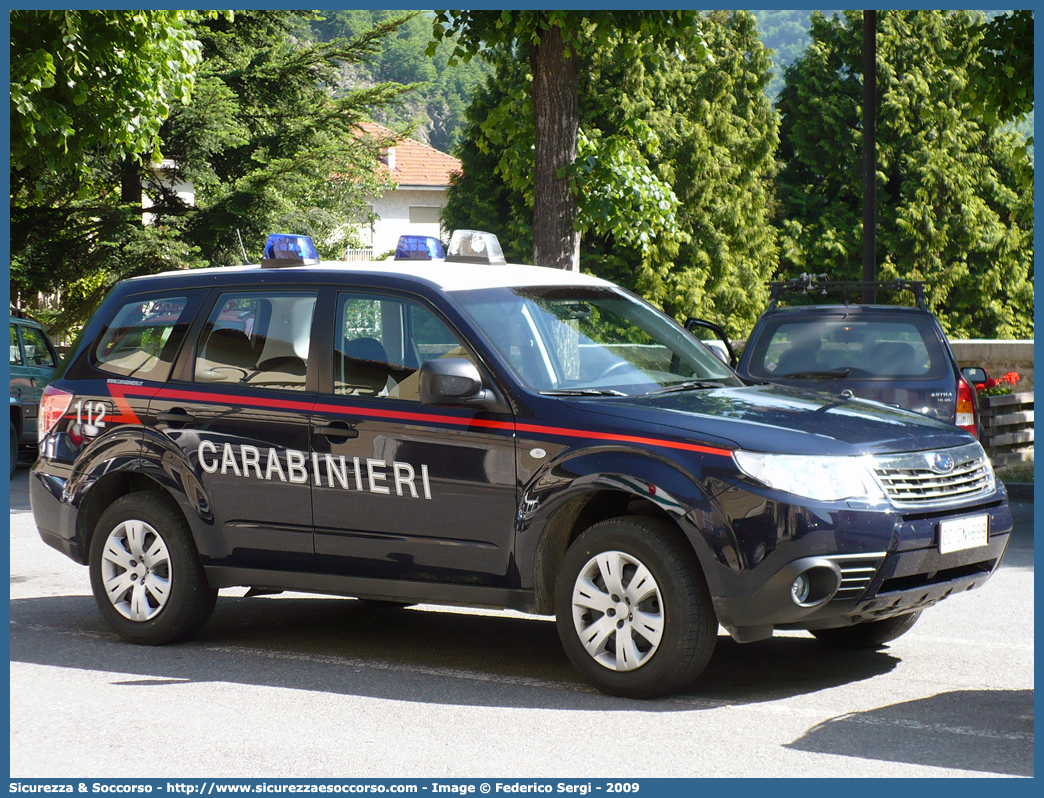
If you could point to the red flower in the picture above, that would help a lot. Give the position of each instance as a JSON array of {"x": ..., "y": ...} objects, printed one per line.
[
  {"x": 996, "y": 387},
  {"x": 1011, "y": 377}
]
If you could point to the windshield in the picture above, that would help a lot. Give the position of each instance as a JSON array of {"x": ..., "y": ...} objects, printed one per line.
[{"x": 590, "y": 339}]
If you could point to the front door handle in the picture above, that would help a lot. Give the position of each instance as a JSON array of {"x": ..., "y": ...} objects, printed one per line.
[{"x": 337, "y": 432}]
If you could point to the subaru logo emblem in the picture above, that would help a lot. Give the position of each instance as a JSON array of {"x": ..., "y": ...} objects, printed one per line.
[{"x": 941, "y": 463}]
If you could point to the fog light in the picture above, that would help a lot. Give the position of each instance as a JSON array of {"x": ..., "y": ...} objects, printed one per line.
[{"x": 800, "y": 589}]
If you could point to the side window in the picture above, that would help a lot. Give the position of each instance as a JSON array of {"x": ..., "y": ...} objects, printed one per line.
[
  {"x": 37, "y": 350},
  {"x": 381, "y": 344},
  {"x": 257, "y": 338},
  {"x": 141, "y": 339},
  {"x": 16, "y": 348}
]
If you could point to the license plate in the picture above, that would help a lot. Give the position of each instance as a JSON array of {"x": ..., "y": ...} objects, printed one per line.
[{"x": 963, "y": 533}]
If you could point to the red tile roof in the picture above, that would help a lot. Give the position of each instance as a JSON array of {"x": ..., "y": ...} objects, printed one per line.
[{"x": 416, "y": 164}]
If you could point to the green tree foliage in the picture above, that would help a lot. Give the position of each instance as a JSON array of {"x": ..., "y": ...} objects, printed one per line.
[
  {"x": 487, "y": 194},
  {"x": 265, "y": 144},
  {"x": 558, "y": 45},
  {"x": 950, "y": 207},
  {"x": 785, "y": 33},
  {"x": 87, "y": 81},
  {"x": 1000, "y": 82},
  {"x": 713, "y": 148},
  {"x": 263, "y": 141},
  {"x": 436, "y": 109}
]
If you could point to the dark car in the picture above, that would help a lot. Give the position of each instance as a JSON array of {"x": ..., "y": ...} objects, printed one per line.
[
  {"x": 491, "y": 435},
  {"x": 894, "y": 354},
  {"x": 33, "y": 359}
]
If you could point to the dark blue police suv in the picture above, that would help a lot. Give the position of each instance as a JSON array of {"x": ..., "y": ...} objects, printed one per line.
[{"x": 484, "y": 434}]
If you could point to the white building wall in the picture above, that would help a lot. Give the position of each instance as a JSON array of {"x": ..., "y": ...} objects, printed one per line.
[
  {"x": 185, "y": 190},
  {"x": 393, "y": 210}
]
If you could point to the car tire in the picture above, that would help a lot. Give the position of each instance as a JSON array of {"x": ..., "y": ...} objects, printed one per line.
[
  {"x": 14, "y": 449},
  {"x": 146, "y": 574},
  {"x": 871, "y": 634},
  {"x": 671, "y": 628}
]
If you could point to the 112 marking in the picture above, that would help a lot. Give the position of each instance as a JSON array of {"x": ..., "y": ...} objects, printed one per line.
[{"x": 96, "y": 412}]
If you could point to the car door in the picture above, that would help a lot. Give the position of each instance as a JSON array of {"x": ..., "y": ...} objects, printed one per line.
[
  {"x": 404, "y": 490},
  {"x": 40, "y": 361},
  {"x": 21, "y": 378},
  {"x": 239, "y": 411},
  {"x": 33, "y": 360}
]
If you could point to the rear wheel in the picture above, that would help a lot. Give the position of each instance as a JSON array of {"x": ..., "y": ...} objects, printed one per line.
[
  {"x": 633, "y": 611},
  {"x": 872, "y": 634},
  {"x": 146, "y": 575}
]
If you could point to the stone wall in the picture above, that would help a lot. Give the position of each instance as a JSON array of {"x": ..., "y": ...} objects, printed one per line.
[{"x": 998, "y": 357}]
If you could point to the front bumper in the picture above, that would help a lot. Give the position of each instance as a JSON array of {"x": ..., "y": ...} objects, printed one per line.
[{"x": 906, "y": 575}]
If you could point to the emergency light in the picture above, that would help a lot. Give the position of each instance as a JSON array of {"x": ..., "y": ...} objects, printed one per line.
[
  {"x": 419, "y": 248},
  {"x": 289, "y": 249},
  {"x": 475, "y": 246}
]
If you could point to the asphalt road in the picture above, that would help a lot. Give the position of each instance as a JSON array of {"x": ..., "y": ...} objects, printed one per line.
[{"x": 303, "y": 686}]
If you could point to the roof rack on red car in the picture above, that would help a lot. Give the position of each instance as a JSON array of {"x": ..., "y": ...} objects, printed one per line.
[{"x": 818, "y": 284}]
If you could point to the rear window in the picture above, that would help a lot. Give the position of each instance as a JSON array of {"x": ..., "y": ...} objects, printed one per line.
[
  {"x": 866, "y": 348},
  {"x": 139, "y": 341}
]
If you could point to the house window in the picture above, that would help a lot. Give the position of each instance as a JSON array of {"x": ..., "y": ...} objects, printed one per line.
[{"x": 423, "y": 214}]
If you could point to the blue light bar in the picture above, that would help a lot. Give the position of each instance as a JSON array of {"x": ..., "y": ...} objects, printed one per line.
[
  {"x": 419, "y": 248},
  {"x": 289, "y": 249}
]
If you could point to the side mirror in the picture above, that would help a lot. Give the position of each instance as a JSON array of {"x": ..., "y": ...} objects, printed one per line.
[
  {"x": 730, "y": 359},
  {"x": 450, "y": 381},
  {"x": 976, "y": 375}
]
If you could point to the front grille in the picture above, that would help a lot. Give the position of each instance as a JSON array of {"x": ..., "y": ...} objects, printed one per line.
[{"x": 909, "y": 480}]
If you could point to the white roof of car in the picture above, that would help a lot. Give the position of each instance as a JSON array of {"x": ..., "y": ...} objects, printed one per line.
[
  {"x": 464, "y": 276},
  {"x": 447, "y": 276}
]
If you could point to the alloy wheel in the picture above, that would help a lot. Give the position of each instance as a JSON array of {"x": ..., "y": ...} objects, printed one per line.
[
  {"x": 136, "y": 570},
  {"x": 617, "y": 611}
]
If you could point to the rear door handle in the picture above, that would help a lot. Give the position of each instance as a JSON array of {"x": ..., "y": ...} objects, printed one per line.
[
  {"x": 337, "y": 430},
  {"x": 176, "y": 417}
]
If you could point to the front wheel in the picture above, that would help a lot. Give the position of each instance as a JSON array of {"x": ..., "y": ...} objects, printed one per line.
[
  {"x": 633, "y": 610},
  {"x": 146, "y": 575},
  {"x": 871, "y": 634}
]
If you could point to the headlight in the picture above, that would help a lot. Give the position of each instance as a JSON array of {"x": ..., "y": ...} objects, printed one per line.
[{"x": 821, "y": 478}]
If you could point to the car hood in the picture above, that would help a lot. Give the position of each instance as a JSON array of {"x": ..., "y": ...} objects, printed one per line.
[{"x": 777, "y": 419}]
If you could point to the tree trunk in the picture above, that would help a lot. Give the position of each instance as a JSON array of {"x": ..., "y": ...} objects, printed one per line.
[
  {"x": 130, "y": 182},
  {"x": 556, "y": 120}
]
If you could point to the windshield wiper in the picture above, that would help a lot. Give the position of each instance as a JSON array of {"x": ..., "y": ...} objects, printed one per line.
[
  {"x": 816, "y": 375},
  {"x": 584, "y": 392},
  {"x": 691, "y": 385}
]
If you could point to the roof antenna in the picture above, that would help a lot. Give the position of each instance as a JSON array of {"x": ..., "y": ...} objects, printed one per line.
[{"x": 242, "y": 248}]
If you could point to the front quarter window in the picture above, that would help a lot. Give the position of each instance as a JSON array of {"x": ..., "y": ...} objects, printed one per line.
[{"x": 594, "y": 339}]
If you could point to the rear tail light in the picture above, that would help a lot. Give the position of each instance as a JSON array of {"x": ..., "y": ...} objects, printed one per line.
[
  {"x": 966, "y": 412},
  {"x": 53, "y": 406}
]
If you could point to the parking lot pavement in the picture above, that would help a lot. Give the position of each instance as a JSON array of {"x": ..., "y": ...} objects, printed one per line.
[{"x": 296, "y": 685}]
